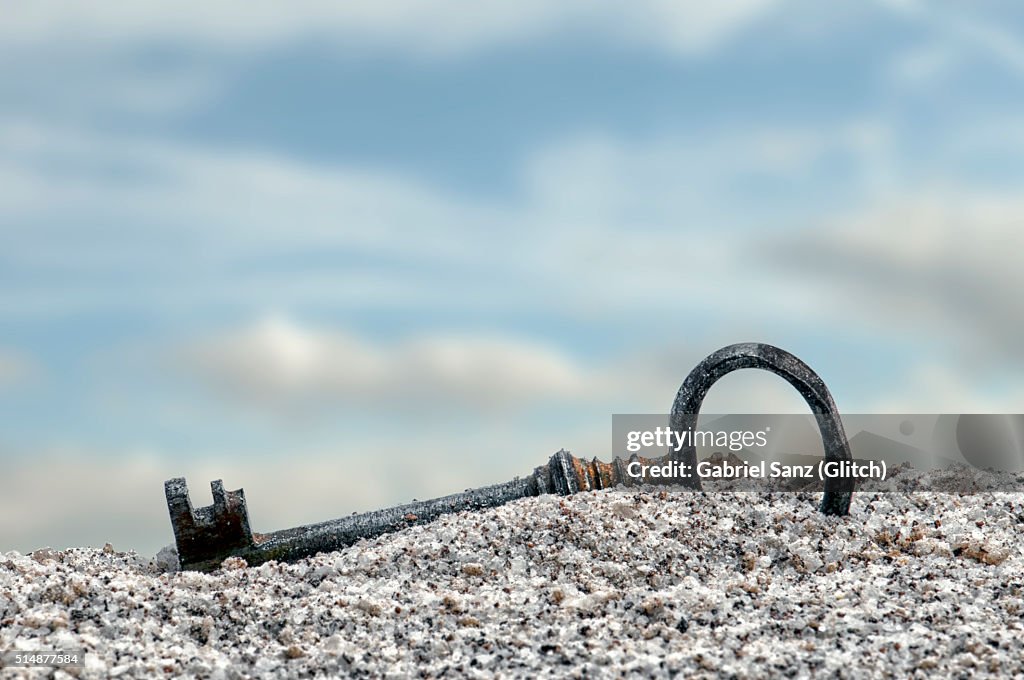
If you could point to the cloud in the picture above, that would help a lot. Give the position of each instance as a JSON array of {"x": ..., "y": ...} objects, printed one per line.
[
  {"x": 653, "y": 182},
  {"x": 16, "y": 368},
  {"x": 924, "y": 65},
  {"x": 287, "y": 202},
  {"x": 947, "y": 262},
  {"x": 930, "y": 385},
  {"x": 277, "y": 364},
  {"x": 277, "y": 360},
  {"x": 171, "y": 226},
  {"x": 438, "y": 28},
  {"x": 143, "y": 222},
  {"x": 645, "y": 235},
  {"x": 984, "y": 35},
  {"x": 620, "y": 245}
]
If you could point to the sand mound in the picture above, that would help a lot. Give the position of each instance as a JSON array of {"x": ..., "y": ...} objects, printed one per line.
[{"x": 601, "y": 584}]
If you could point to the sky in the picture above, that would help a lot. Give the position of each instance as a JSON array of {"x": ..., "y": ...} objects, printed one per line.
[{"x": 347, "y": 254}]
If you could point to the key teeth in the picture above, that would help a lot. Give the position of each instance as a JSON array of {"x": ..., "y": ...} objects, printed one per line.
[
  {"x": 178, "y": 502},
  {"x": 219, "y": 500},
  {"x": 207, "y": 534}
]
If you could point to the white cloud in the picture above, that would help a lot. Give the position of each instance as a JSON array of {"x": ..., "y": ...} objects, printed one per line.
[
  {"x": 278, "y": 360},
  {"x": 190, "y": 224},
  {"x": 925, "y": 64},
  {"x": 277, "y": 364},
  {"x": 946, "y": 261},
  {"x": 256, "y": 201},
  {"x": 952, "y": 25},
  {"x": 653, "y": 182},
  {"x": 934, "y": 386},
  {"x": 638, "y": 236},
  {"x": 441, "y": 27},
  {"x": 16, "y": 368}
]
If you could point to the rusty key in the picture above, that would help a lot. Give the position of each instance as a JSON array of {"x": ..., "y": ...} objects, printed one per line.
[{"x": 206, "y": 536}]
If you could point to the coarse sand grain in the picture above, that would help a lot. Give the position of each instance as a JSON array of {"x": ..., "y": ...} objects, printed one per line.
[{"x": 614, "y": 583}]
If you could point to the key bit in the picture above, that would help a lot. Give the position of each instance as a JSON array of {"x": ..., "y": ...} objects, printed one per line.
[{"x": 206, "y": 536}]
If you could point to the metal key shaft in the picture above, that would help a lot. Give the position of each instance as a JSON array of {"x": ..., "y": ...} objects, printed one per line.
[{"x": 206, "y": 536}]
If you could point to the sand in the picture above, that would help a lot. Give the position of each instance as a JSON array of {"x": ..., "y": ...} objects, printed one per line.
[{"x": 603, "y": 584}]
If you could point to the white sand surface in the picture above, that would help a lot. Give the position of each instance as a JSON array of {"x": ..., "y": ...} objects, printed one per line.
[{"x": 603, "y": 584}]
